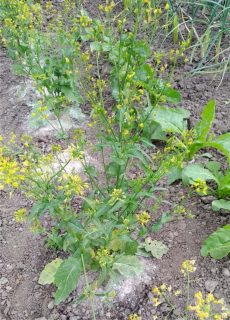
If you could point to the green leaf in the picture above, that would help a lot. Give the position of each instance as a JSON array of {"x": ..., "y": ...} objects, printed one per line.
[
  {"x": 66, "y": 278},
  {"x": 171, "y": 120},
  {"x": 224, "y": 185},
  {"x": 158, "y": 133},
  {"x": 48, "y": 273},
  {"x": 221, "y": 204},
  {"x": 125, "y": 244},
  {"x": 157, "y": 248},
  {"x": 194, "y": 171},
  {"x": 203, "y": 126},
  {"x": 217, "y": 244},
  {"x": 214, "y": 167},
  {"x": 174, "y": 174},
  {"x": 222, "y": 143},
  {"x": 142, "y": 49},
  {"x": 95, "y": 46},
  {"x": 172, "y": 95},
  {"x": 128, "y": 266}
]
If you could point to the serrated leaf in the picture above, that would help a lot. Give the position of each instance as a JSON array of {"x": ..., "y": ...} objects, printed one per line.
[
  {"x": 48, "y": 273},
  {"x": 128, "y": 266},
  {"x": 170, "y": 119},
  {"x": 221, "y": 204},
  {"x": 217, "y": 244},
  {"x": 66, "y": 278},
  {"x": 157, "y": 248},
  {"x": 194, "y": 171},
  {"x": 203, "y": 126}
]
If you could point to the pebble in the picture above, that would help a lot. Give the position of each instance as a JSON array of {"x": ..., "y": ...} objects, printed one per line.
[
  {"x": 42, "y": 318},
  {"x": 50, "y": 305},
  {"x": 3, "y": 281},
  {"x": 226, "y": 272},
  {"x": 207, "y": 199},
  {"x": 211, "y": 285}
]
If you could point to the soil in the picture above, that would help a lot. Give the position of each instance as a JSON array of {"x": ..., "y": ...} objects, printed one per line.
[{"x": 23, "y": 256}]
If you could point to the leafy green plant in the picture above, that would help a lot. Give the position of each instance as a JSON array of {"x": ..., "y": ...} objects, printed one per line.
[
  {"x": 130, "y": 108},
  {"x": 217, "y": 245}
]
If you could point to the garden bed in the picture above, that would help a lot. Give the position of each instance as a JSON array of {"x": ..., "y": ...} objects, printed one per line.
[{"x": 23, "y": 256}]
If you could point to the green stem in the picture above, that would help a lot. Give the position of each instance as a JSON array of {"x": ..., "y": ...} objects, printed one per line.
[{"x": 88, "y": 287}]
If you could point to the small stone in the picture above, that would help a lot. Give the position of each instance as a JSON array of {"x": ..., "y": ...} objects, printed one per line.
[
  {"x": 208, "y": 199},
  {"x": 226, "y": 272},
  {"x": 211, "y": 285},
  {"x": 42, "y": 318},
  {"x": 3, "y": 281},
  {"x": 50, "y": 305}
]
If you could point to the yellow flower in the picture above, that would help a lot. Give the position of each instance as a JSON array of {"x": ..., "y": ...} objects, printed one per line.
[
  {"x": 156, "y": 291},
  {"x": 19, "y": 215},
  {"x": 134, "y": 316},
  {"x": 103, "y": 257},
  {"x": 141, "y": 125},
  {"x": 200, "y": 186},
  {"x": 156, "y": 302},
  {"x": 167, "y": 6},
  {"x": 177, "y": 292},
  {"x": 202, "y": 315},
  {"x": 163, "y": 287},
  {"x": 117, "y": 195},
  {"x": 143, "y": 218},
  {"x": 188, "y": 266}
]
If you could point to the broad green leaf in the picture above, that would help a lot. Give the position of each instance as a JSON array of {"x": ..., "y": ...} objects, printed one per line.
[
  {"x": 222, "y": 143},
  {"x": 214, "y": 167},
  {"x": 224, "y": 185},
  {"x": 48, "y": 273},
  {"x": 172, "y": 95},
  {"x": 128, "y": 266},
  {"x": 174, "y": 174},
  {"x": 157, "y": 248},
  {"x": 142, "y": 49},
  {"x": 125, "y": 244},
  {"x": 66, "y": 278},
  {"x": 158, "y": 133},
  {"x": 170, "y": 119},
  {"x": 203, "y": 126},
  {"x": 194, "y": 171},
  {"x": 217, "y": 244},
  {"x": 221, "y": 204}
]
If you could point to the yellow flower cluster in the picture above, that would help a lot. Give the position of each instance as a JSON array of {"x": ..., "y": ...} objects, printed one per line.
[
  {"x": 72, "y": 184},
  {"x": 104, "y": 257},
  {"x": 11, "y": 174},
  {"x": 20, "y": 215},
  {"x": 205, "y": 307},
  {"x": 143, "y": 217},
  {"x": 134, "y": 316},
  {"x": 188, "y": 266},
  {"x": 200, "y": 186},
  {"x": 117, "y": 195},
  {"x": 163, "y": 293},
  {"x": 108, "y": 7}
]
